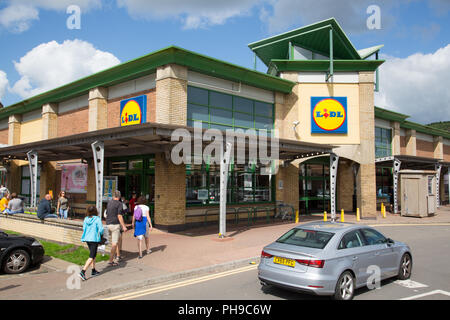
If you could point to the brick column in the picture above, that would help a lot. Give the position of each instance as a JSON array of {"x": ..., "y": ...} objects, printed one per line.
[
  {"x": 289, "y": 180},
  {"x": 170, "y": 193},
  {"x": 171, "y": 94},
  {"x": 366, "y": 182},
  {"x": 438, "y": 144},
  {"x": 396, "y": 147},
  {"x": 49, "y": 121},
  {"x": 345, "y": 182},
  {"x": 411, "y": 146},
  {"x": 98, "y": 101},
  {"x": 48, "y": 179},
  {"x": 14, "y": 129}
]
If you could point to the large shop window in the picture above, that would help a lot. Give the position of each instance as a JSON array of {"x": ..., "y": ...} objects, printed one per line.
[
  {"x": 25, "y": 186},
  {"x": 245, "y": 185},
  {"x": 223, "y": 111},
  {"x": 383, "y": 138}
]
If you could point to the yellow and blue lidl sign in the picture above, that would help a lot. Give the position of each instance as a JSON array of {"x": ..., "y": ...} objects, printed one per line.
[
  {"x": 329, "y": 115},
  {"x": 133, "y": 111}
]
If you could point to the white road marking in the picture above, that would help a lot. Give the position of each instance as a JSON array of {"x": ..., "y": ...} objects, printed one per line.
[
  {"x": 410, "y": 284},
  {"x": 166, "y": 287},
  {"x": 427, "y": 294}
]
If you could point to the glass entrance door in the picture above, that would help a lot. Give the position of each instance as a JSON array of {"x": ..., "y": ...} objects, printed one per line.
[{"x": 314, "y": 186}]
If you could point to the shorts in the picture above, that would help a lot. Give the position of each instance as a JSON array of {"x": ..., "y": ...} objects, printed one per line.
[
  {"x": 93, "y": 246},
  {"x": 114, "y": 231}
]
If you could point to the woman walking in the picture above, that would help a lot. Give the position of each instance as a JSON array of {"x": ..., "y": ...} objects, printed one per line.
[
  {"x": 92, "y": 234},
  {"x": 62, "y": 207},
  {"x": 142, "y": 224}
]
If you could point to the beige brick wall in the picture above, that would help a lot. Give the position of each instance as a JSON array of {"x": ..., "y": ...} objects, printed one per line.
[
  {"x": 114, "y": 107},
  {"x": 411, "y": 143},
  {"x": 51, "y": 229},
  {"x": 4, "y": 136},
  {"x": 14, "y": 130},
  {"x": 170, "y": 192},
  {"x": 345, "y": 182},
  {"x": 289, "y": 193},
  {"x": 66, "y": 121},
  {"x": 171, "y": 95}
]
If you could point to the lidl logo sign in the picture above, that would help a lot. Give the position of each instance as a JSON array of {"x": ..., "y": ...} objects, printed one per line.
[
  {"x": 328, "y": 114},
  {"x": 133, "y": 111}
]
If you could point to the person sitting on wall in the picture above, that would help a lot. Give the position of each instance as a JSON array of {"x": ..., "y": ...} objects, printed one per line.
[
  {"x": 45, "y": 209},
  {"x": 15, "y": 205},
  {"x": 4, "y": 202}
]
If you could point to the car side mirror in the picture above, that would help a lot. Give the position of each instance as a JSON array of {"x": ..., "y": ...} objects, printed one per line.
[{"x": 390, "y": 241}]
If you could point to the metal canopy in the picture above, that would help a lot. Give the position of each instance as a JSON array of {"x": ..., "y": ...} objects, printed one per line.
[
  {"x": 135, "y": 140},
  {"x": 409, "y": 162},
  {"x": 402, "y": 162}
]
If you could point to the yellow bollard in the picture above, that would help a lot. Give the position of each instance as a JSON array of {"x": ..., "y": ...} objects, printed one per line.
[
  {"x": 325, "y": 216},
  {"x": 384, "y": 211},
  {"x": 357, "y": 215},
  {"x": 382, "y": 206},
  {"x": 296, "y": 216},
  {"x": 342, "y": 215}
]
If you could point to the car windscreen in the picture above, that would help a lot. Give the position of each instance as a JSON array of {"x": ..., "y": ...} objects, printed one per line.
[{"x": 306, "y": 238}]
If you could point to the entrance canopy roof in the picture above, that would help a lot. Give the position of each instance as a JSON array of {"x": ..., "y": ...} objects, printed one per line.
[
  {"x": 410, "y": 162},
  {"x": 140, "y": 139},
  {"x": 316, "y": 38}
]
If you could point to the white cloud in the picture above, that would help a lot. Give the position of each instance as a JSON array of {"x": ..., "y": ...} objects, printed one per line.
[
  {"x": 352, "y": 15},
  {"x": 193, "y": 14},
  {"x": 52, "y": 64},
  {"x": 18, "y": 15},
  {"x": 417, "y": 86},
  {"x": 17, "y": 18},
  {"x": 3, "y": 83}
]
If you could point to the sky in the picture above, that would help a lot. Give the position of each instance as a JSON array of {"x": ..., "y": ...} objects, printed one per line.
[{"x": 45, "y": 44}]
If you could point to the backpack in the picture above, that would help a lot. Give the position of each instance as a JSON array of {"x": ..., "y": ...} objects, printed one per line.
[{"x": 138, "y": 213}]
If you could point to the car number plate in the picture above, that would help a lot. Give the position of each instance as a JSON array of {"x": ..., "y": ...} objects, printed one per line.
[{"x": 284, "y": 261}]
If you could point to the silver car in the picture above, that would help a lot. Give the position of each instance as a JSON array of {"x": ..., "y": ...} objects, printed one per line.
[{"x": 333, "y": 258}]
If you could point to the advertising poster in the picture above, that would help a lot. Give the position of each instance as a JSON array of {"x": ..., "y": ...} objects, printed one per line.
[
  {"x": 109, "y": 186},
  {"x": 74, "y": 178}
]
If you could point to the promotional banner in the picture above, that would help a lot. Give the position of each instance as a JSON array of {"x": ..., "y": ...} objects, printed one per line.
[
  {"x": 74, "y": 178},
  {"x": 109, "y": 186},
  {"x": 329, "y": 115},
  {"x": 133, "y": 111}
]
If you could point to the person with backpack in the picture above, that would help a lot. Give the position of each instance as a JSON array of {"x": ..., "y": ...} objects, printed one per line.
[
  {"x": 92, "y": 235},
  {"x": 142, "y": 224}
]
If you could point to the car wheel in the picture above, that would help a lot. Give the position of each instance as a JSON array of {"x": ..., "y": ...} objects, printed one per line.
[
  {"x": 16, "y": 261},
  {"x": 405, "y": 269},
  {"x": 345, "y": 287}
]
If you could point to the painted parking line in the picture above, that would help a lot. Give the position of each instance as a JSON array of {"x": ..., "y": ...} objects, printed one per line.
[
  {"x": 446, "y": 293},
  {"x": 409, "y": 224},
  {"x": 410, "y": 284},
  {"x": 166, "y": 287}
]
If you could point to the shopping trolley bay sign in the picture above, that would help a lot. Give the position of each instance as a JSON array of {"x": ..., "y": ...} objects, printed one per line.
[
  {"x": 133, "y": 111},
  {"x": 329, "y": 115}
]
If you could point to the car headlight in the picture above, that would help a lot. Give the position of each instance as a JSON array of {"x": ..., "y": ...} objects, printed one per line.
[{"x": 36, "y": 244}]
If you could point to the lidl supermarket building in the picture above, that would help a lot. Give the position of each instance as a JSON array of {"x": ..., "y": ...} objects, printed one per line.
[{"x": 336, "y": 148}]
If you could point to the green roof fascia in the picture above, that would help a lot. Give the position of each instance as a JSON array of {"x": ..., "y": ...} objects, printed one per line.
[
  {"x": 324, "y": 65},
  {"x": 283, "y": 39},
  {"x": 389, "y": 115},
  {"x": 425, "y": 129},
  {"x": 401, "y": 118},
  {"x": 146, "y": 65}
]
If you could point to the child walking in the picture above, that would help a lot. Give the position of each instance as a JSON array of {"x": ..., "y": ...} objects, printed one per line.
[{"x": 92, "y": 233}]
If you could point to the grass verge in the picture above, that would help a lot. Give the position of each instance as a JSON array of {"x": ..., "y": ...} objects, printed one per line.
[{"x": 69, "y": 252}]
